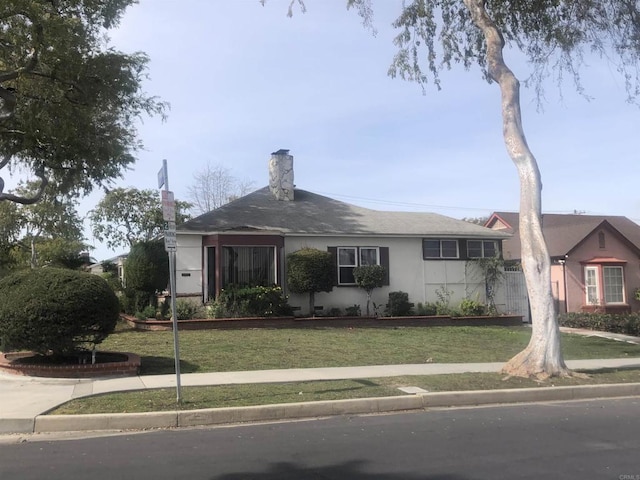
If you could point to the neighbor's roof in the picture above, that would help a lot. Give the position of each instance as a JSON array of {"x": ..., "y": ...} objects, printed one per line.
[
  {"x": 564, "y": 232},
  {"x": 313, "y": 214}
]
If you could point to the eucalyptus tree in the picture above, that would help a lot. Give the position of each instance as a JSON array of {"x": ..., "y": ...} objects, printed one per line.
[
  {"x": 554, "y": 36},
  {"x": 68, "y": 102},
  {"x": 126, "y": 216}
]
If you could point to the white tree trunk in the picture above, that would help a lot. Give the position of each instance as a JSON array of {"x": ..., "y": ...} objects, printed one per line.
[{"x": 543, "y": 356}]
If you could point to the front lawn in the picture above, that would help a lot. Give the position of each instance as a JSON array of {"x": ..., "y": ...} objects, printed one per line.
[{"x": 258, "y": 349}]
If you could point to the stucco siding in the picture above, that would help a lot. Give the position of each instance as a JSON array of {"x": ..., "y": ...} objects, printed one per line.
[
  {"x": 408, "y": 272},
  {"x": 589, "y": 249}
]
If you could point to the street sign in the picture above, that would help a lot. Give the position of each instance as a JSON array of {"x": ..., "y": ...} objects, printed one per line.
[
  {"x": 170, "y": 241},
  {"x": 170, "y": 236},
  {"x": 168, "y": 206}
]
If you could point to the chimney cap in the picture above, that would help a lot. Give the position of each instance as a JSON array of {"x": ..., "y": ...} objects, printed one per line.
[{"x": 282, "y": 151}]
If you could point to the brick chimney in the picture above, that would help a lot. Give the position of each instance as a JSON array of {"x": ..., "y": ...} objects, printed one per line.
[{"x": 281, "y": 175}]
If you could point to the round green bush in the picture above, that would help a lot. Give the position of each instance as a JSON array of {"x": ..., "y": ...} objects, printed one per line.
[{"x": 55, "y": 311}]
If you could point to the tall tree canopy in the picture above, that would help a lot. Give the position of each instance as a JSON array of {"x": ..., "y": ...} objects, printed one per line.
[
  {"x": 68, "y": 102},
  {"x": 126, "y": 216},
  {"x": 554, "y": 36}
]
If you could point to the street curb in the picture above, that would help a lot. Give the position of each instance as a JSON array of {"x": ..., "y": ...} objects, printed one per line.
[{"x": 288, "y": 411}]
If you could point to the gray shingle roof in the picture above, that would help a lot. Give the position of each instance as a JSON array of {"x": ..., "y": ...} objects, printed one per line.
[
  {"x": 311, "y": 213},
  {"x": 564, "y": 232}
]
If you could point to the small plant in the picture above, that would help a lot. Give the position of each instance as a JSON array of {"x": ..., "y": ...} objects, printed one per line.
[
  {"x": 443, "y": 305},
  {"x": 399, "y": 304},
  {"x": 149, "y": 311},
  {"x": 426, "y": 309},
  {"x": 470, "y": 308},
  {"x": 186, "y": 310},
  {"x": 353, "y": 311}
]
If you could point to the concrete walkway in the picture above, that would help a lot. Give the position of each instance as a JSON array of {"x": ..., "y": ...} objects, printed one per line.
[{"x": 22, "y": 399}]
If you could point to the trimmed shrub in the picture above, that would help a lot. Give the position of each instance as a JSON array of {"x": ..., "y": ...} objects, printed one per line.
[
  {"x": 235, "y": 301},
  {"x": 628, "y": 324},
  {"x": 56, "y": 311},
  {"x": 399, "y": 304},
  {"x": 369, "y": 277},
  {"x": 310, "y": 270},
  {"x": 146, "y": 272}
]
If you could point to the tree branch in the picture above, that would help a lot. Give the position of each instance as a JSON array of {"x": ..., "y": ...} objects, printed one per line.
[{"x": 24, "y": 200}]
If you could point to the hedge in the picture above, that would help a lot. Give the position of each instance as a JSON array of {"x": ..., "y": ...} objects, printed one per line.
[{"x": 628, "y": 324}]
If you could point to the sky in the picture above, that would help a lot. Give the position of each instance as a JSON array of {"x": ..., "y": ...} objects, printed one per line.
[{"x": 244, "y": 80}]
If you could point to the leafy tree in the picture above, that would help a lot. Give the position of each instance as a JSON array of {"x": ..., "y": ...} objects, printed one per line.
[
  {"x": 126, "y": 216},
  {"x": 213, "y": 186},
  {"x": 146, "y": 271},
  {"x": 9, "y": 235},
  {"x": 63, "y": 253},
  {"x": 55, "y": 217},
  {"x": 56, "y": 311},
  {"x": 310, "y": 270},
  {"x": 553, "y": 36},
  {"x": 369, "y": 277},
  {"x": 68, "y": 102}
]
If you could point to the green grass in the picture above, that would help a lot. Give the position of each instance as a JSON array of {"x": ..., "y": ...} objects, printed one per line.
[
  {"x": 257, "y": 349},
  {"x": 264, "y": 394}
]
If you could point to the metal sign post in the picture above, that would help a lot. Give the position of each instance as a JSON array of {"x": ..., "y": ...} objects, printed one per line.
[{"x": 169, "y": 216}]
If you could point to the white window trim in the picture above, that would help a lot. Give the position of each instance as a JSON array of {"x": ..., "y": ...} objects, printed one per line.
[
  {"x": 596, "y": 285},
  {"x": 357, "y": 257}
]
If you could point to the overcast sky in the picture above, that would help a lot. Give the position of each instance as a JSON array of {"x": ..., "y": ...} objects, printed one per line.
[{"x": 245, "y": 80}]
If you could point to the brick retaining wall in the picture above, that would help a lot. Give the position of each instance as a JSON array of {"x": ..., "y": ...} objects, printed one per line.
[{"x": 130, "y": 367}]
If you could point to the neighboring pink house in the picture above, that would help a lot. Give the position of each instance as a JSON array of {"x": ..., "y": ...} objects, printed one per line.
[{"x": 595, "y": 259}]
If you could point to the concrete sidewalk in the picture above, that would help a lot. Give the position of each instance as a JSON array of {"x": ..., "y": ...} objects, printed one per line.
[{"x": 23, "y": 399}]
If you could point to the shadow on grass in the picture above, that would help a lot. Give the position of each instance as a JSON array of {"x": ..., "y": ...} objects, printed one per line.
[
  {"x": 151, "y": 365},
  {"x": 351, "y": 470}
]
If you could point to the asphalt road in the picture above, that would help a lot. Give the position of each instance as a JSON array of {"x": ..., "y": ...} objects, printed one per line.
[{"x": 571, "y": 440}]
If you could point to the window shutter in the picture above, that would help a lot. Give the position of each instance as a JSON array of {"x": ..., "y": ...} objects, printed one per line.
[
  {"x": 384, "y": 261},
  {"x": 334, "y": 255}
]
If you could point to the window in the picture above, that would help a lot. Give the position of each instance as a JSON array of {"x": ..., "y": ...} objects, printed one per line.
[
  {"x": 601, "y": 240},
  {"x": 439, "y": 249},
  {"x": 481, "y": 248},
  {"x": 591, "y": 285},
  {"x": 613, "y": 285},
  {"x": 612, "y": 278},
  {"x": 248, "y": 266},
  {"x": 352, "y": 257}
]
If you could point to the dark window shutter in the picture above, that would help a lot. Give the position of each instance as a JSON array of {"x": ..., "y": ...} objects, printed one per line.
[
  {"x": 384, "y": 261},
  {"x": 334, "y": 255}
]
